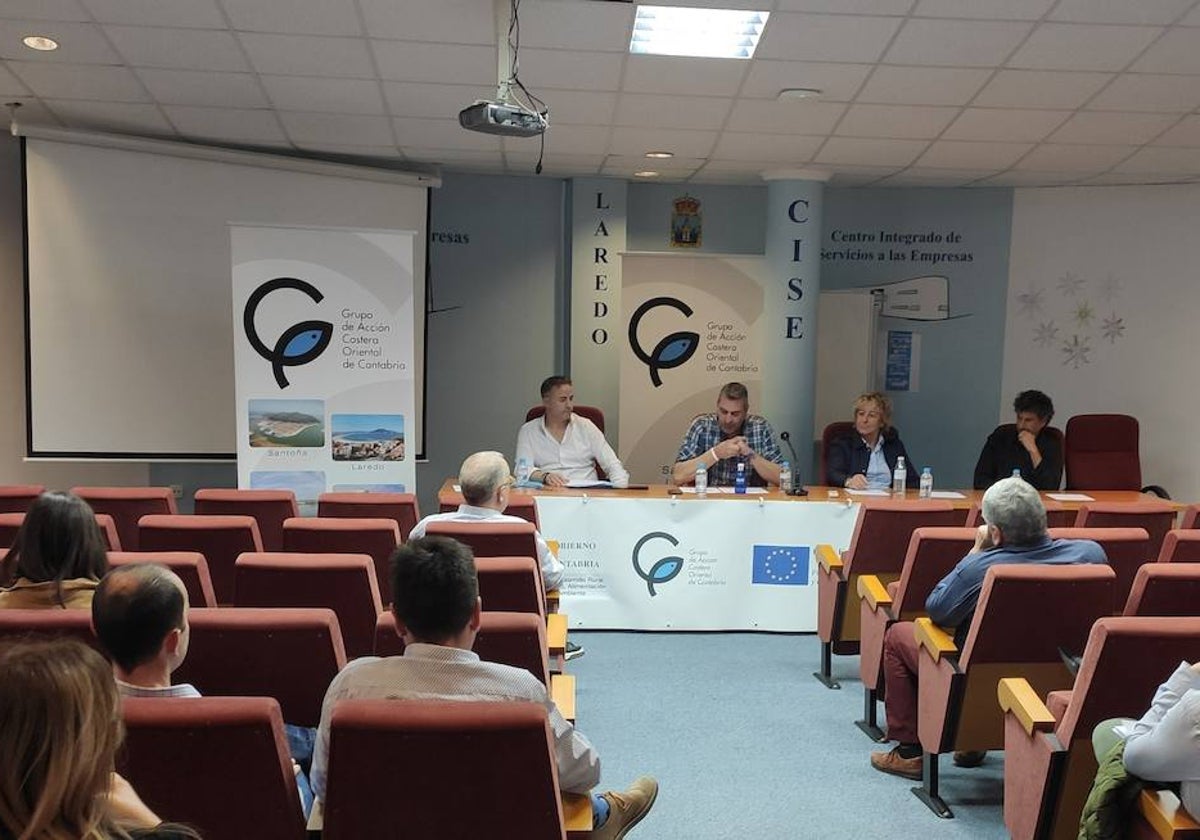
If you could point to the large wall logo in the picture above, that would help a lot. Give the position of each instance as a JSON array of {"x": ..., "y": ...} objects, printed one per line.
[
  {"x": 300, "y": 343},
  {"x": 672, "y": 350},
  {"x": 661, "y": 570}
]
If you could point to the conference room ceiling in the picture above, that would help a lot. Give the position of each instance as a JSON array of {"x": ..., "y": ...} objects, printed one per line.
[{"x": 914, "y": 92}]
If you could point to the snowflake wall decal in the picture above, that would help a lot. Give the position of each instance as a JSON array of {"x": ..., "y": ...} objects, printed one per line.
[
  {"x": 1071, "y": 284},
  {"x": 1110, "y": 289},
  {"x": 1030, "y": 301},
  {"x": 1045, "y": 334},
  {"x": 1113, "y": 328},
  {"x": 1084, "y": 314},
  {"x": 1076, "y": 351}
]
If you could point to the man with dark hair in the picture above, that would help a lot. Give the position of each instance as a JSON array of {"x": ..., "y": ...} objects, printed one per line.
[
  {"x": 562, "y": 446},
  {"x": 723, "y": 439},
  {"x": 1031, "y": 447},
  {"x": 436, "y": 609}
]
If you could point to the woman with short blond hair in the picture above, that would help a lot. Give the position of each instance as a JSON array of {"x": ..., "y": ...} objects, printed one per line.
[{"x": 866, "y": 458}]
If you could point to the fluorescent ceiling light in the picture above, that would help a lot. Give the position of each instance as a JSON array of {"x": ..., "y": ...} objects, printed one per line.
[
  {"x": 660, "y": 155},
  {"x": 645, "y": 173},
  {"x": 704, "y": 33},
  {"x": 40, "y": 43}
]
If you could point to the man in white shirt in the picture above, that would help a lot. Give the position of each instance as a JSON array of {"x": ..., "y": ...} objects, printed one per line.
[
  {"x": 562, "y": 446},
  {"x": 437, "y": 612},
  {"x": 486, "y": 481}
]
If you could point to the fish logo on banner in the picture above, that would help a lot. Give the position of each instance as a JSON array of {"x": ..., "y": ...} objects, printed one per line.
[
  {"x": 672, "y": 350},
  {"x": 780, "y": 565},
  {"x": 300, "y": 343},
  {"x": 661, "y": 570}
]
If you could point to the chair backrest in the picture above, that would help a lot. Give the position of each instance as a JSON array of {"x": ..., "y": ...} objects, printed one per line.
[
  {"x": 127, "y": 505},
  {"x": 932, "y": 554},
  {"x": 219, "y": 538},
  {"x": 523, "y": 505},
  {"x": 345, "y": 583},
  {"x": 1102, "y": 452},
  {"x": 591, "y": 412},
  {"x": 16, "y": 498},
  {"x": 1126, "y": 549},
  {"x": 76, "y": 624},
  {"x": 10, "y": 523},
  {"x": 490, "y": 539},
  {"x": 509, "y": 638},
  {"x": 291, "y": 654},
  {"x": 1058, "y": 515},
  {"x": 1191, "y": 517},
  {"x": 191, "y": 567},
  {"x": 220, "y": 764},
  {"x": 506, "y": 746},
  {"x": 1180, "y": 546},
  {"x": 832, "y": 432},
  {"x": 377, "y": 538},
  {"x": 268, "y": 507},
  {"x": 1165, "y": 589},
  {"x": 884, "y": 528},
  {"x": 510, "y": 584},
  {"x": 108, "y": 530},
  {"x": 401, "y": 507},
  {"x": 1156, "y": 517}
]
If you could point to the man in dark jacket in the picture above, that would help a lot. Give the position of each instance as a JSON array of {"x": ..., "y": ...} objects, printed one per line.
[{"x": 1031, "y": 447}]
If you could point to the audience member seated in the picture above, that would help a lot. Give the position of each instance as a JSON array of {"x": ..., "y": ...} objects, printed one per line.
[
  {"x": 866, "y": 458},
  {"x": 437, "y": 612},
  {"x": 140, "y": 615},
  {"x": 58, "y": 557},
  {"x": 730, "y": 436},
  {"x": 1029, "y": 447},
  {"x": 562, "y": 446},
  {"x": 1015, "y": 532},
  {"x": 60, "y": 724}
]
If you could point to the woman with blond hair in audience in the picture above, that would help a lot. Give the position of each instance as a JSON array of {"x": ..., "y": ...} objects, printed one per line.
[
  {"x": 60, "y": 727},
  {"x": 58, "y": 556}
]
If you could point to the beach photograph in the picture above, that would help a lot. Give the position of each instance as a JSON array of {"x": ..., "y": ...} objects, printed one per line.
[{"x": 287, "y": 423}]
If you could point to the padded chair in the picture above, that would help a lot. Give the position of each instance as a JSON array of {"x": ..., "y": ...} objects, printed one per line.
[
  {"x": 507, "y": 747},
  {"x": 1191, "y": 517},
  {"x": 591, "y": 412},
  {"x": 270, "y": 508},
  {"x": 1165, "y": 589},
  {"x": 1058, "y": 515},
  {"x": 932, "y": 554},
  {"x": 219, "y": 538},
  {"x": 523, "y": 505},
  {"x": 220, "y": 764},
  {"x": 127, "y": 505},
  {"x": 345, "y": 583},
  {"x": 832, "y": 432},
  {"x": 878, "y": 547},
  {"x": 1180, "y": 546},
  {"x": 108, "y": 530},
  {"x": 377, "y": 538},
  {"x": 290, "y": 654},
  {"x": 16, "y": 498},
  {"x": 1102, "y": 452},
  {"x": 191, "y": 567},
  {"x": 511, "y": 584},
  {"x": 1049, "y": 762},
  {"x": 10, "y": 524},
  {"x": 76, "y": 624},
  {"x": 1127, "y": 549},
  {"x": 1026, "y": 612},
  {"x": 401, "y": 507},
  {"x": 1156, "y": 517},
  {"x": 490, "y": 539}
]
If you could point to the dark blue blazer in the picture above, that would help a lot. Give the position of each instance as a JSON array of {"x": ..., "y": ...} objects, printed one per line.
[{"x": 848, "y": 456}]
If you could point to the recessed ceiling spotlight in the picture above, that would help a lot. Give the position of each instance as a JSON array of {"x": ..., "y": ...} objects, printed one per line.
[
  {"x": 703, "y": 33},
  {"x": 40, "y": 43},
  {"x": 660, "y": 155},
  {"x": 645, "y": 173},
  {"x": 798, "y": 94}
]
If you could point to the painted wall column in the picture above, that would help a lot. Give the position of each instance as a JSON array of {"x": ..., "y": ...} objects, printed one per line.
[{"x": 793, "y": 251}]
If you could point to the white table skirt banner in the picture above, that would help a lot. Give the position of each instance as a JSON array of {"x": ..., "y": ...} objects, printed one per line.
[{"x": 692, "y": 564}]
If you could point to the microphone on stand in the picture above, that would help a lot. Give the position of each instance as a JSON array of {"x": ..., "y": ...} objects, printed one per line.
[{"x": 795, "y": 489}]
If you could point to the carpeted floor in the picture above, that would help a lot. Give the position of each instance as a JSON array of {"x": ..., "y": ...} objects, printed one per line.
[{"x": 746, "y": 743}]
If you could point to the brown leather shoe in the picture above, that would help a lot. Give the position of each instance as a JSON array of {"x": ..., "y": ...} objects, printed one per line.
[
  {"x": 969, "y": 758},
  {"x": 892, "y": 762}
]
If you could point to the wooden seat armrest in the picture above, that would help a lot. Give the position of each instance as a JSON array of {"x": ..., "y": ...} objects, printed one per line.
[
  {"x": 556, "y": 633},
  {"x": 577, "y": 814},
  {"x": 937, "y": 641},
  {"x": 1018, "y": 697},
  {"x": 1166, "y": 815},
  {"x": 829, "y": 558},
  {"x": 562, "y": 692},
  {"x": 553, "y": 600},
  {"x": 872, "y": 590}
]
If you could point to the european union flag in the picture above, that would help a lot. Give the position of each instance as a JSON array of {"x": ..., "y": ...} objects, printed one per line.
[{"x": 781, "y": 565}]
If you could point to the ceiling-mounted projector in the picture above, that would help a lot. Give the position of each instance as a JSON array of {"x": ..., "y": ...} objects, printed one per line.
[{"x": 505, "y": 118}]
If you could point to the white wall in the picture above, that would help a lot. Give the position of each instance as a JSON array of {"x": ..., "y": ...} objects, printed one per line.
[{"x": 1112, "y": 271}]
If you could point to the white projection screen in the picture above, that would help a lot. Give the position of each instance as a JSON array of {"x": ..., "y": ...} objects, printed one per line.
[{"x": 129, "y": 302}]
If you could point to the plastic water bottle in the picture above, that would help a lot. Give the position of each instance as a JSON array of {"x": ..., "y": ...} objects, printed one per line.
[
  {"x": 899, "y": 478},
  {"x": 1016, "y": 473},
  {"x": 785, "y": 477},
  {"x": 739, "y": 481},
  {"x": 926, "y": 483},
  {"x": 701, "y": 479},
  {"x": 523, "y": 472}
]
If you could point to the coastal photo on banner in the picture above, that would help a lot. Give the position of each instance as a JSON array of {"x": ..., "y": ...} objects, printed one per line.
[
  {"x": 323, "y": 332},
  {"x": 693, "y": 323}
]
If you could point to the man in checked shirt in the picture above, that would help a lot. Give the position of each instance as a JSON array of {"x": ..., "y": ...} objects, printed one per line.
[{"x": 722, "y": 439}]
